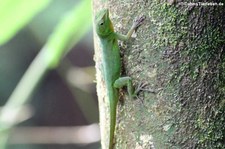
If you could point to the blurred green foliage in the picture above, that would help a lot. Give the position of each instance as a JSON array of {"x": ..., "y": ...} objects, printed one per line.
[{"x": 14, "y": 15}]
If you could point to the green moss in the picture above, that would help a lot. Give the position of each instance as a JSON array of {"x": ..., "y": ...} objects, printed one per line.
[
  {"x": 200, "y": 74},
  {"x": 193, "y": 46}
]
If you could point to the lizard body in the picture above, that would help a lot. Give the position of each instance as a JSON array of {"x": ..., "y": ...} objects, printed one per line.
[{"x": 111, "y": 64}]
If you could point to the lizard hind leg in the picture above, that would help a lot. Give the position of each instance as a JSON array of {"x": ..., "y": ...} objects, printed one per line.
[{"x": 125, "y": 81}]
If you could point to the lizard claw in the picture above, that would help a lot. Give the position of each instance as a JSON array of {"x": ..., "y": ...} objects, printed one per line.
[
  {"x": 141, "y": 88},
  {"x": 154, "y": 91},
  {"x": 138, "y": 21}
]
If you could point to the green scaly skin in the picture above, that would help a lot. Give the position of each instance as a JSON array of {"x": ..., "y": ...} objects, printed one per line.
[{"x": 112, "y": 64}]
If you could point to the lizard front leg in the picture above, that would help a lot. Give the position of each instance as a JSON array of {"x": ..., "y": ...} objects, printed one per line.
[
  {"x": 136, "y": 23},
  {"x": 126, "y": 81}
]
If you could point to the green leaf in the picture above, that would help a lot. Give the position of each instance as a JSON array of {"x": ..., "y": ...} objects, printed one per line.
[
  {"x": 15, "y": 14},
  {"x": 70, "y": 30}
]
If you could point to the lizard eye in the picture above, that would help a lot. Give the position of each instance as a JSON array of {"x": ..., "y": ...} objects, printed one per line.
[{"x": 101, "y": 23}]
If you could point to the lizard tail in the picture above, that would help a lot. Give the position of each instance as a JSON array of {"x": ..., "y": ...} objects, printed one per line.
[
  {"x": 112, "y": 125},
  {"x": 113, "y": 106}
]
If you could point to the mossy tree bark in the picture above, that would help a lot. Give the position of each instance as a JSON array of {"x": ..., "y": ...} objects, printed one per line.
[{"x": 178, "y": 52}]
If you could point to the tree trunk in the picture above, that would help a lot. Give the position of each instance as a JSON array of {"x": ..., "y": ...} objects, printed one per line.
[{"x": 179, "y": 53}]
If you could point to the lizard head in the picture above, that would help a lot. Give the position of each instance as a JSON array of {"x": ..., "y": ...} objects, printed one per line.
[{"x": 103, "y": 23}]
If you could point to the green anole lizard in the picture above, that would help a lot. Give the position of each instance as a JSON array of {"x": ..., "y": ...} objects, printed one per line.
[{"x": 111, "y": 65}]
